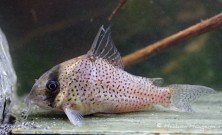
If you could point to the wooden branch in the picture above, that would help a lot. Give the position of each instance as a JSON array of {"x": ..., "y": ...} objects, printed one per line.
[
  {"x": 193, "y": 31},
  {"x": 121, "y": 3}
]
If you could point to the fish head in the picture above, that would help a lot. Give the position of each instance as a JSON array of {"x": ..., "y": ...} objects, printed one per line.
[
  {"x": 45, "y": 89},
  {"x": 48, "y": 91}
]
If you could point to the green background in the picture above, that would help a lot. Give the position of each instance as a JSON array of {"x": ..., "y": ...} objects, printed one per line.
[{"x": 43, "y": 33}]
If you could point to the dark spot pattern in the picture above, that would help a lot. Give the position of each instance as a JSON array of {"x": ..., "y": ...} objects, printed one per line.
[{"x": 96, "y": 86}]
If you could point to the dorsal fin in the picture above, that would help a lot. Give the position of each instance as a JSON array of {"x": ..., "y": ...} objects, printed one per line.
[{"x": 103, "y": 47}]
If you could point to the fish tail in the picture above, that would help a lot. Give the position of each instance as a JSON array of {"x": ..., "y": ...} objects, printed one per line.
[{"x": 183, "y": 95}]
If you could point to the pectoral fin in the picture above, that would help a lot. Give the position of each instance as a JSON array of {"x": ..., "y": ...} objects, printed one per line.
[{"x": 74, "y": 116}]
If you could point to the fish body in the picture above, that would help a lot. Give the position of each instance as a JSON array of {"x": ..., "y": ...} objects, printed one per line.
[
  {"x": 96, "y": 83},
  {"x": 98, "y": 87}
]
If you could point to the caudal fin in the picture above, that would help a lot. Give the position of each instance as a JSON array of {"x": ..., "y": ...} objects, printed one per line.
[{"x": 183, "y": 95}]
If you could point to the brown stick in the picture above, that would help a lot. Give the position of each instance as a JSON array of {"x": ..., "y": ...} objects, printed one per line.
[
  {"x": 170, "y": 41},
  {"x": 116, "y": 9}
]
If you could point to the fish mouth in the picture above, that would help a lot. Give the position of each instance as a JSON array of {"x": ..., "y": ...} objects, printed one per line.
[
  {"x": 29, "y": 100},
  {"x": 34, "y": 97}
]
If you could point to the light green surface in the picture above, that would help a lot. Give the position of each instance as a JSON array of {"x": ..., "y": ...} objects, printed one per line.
[{"x": 207, "y": 119}]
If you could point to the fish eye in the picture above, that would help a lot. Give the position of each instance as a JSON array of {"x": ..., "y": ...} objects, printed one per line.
[{"x": 52, "y": 85}]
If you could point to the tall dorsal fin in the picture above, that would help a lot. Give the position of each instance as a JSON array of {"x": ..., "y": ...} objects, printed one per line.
[{"x": 103, "y": 47}]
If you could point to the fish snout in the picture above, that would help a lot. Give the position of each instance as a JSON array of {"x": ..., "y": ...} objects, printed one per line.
[{"x": 36, "y": 95}]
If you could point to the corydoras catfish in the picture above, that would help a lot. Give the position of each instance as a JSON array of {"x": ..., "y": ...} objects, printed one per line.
[{"x": 97, "y": 83}]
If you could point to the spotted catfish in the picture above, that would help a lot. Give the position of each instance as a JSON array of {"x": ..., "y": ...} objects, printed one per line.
[{"x": 96, "y": 83}]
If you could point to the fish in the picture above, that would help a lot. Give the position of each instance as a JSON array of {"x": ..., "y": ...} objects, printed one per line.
[{"x": 96, "y": 83}]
